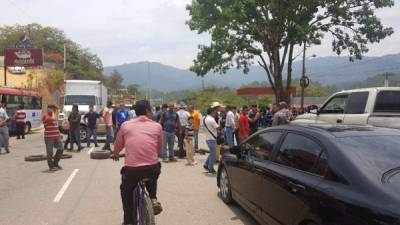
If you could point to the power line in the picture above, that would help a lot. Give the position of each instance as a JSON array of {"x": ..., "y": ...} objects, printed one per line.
[{"x": 21, "y": 10}]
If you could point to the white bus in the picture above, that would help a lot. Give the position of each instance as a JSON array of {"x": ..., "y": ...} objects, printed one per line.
[{"x": 30, "y": 100}]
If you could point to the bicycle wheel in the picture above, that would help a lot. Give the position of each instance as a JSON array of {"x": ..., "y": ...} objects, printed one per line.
[{"x": 147, "y": 210}]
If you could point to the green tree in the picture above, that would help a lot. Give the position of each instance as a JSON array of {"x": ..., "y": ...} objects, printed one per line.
[
  {"x": 55, "y": 80},
  {"x": 133, "y": 89},
  {"x": 114, "y": 81},
  {"x": 81, "y": 63},
  {"x": 268, "y": 31}
]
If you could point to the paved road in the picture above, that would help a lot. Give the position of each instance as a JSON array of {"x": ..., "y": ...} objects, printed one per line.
[{"x": 28, "y": 190}]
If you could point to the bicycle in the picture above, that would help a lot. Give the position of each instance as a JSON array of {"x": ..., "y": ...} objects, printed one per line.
[
  {"x": 143, "y": 207},
  {"x": 143, "y": 212}
]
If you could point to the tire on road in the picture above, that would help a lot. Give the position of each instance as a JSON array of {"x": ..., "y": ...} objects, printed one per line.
[
  {"x": 35, "y": 158},
  {"x": 100, "y": 154},
  {"x": 66, "y": 156},
  {"x": 148, "y": 211}
]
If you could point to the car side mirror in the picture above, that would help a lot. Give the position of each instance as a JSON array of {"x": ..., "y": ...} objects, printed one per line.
[{"x": 239, "y": 151}]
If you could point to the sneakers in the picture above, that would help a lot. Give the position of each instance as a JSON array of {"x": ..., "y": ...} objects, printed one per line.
[
  {"x": 165, "y": 160},
  {"x": 58, "y": 167},
  {"x": 212, "y": 172},
  {"x": 156, "y": 206},
  {"x": 205, "y": 167},
  {"x": 173, "y": 160}
]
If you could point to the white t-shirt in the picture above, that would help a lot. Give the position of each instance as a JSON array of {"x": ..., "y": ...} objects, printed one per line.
[
  {"x": 3, "y": 116},
  {"x": 212, "y": 126},
  {"x": 132, "y": 114},
  {"x": 183, "y": 117},
  {"x": 230, "y": 120}
]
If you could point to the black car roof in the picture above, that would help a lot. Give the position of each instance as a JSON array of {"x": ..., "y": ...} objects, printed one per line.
[{"x": 340, "y": 130}]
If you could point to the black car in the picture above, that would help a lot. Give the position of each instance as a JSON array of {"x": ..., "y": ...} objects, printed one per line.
[{"x": 316, "y": 175}]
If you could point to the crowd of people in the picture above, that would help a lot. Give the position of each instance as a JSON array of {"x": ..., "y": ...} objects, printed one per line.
[{"x": 152, "y": 135}]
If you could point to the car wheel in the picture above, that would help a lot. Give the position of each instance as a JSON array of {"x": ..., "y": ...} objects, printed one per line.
[
  {"x": 28, "y": 128},
  {"x": 225, "y": 187},
  {"x": 83, "y": 133}
]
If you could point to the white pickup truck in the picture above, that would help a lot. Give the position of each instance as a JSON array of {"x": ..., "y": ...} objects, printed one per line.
[{"x": 371, "y": 106}]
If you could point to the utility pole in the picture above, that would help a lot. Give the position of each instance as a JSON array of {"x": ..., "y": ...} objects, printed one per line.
[
  {"x": 386, "y": 80},
  {"x": 65, "y": 61},
  {"x": 303, "y": 77}
]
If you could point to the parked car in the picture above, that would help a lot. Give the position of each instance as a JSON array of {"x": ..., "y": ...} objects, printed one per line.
[
  {"x": 316, "y": 174},
  {"x": 370, "y": 106}
]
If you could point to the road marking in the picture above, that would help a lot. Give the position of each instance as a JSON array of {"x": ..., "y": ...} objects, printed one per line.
[
  {"x": 90, "y": 150},
  {"x": 65, "y": 186}
]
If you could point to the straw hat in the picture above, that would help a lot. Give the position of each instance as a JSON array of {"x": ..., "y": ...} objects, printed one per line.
[{"x": 215, "y": 104}]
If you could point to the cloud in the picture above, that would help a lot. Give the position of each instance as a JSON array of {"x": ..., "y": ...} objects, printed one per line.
[{"x": 123, "y": 31}]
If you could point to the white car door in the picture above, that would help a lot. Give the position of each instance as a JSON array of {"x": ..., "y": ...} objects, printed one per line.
[
  {"x": 356, "y": 112},
  {"x": 333, "y": 110}
]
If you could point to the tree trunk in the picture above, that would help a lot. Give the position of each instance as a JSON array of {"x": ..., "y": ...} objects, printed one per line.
[{"x": 289, "y": 73}]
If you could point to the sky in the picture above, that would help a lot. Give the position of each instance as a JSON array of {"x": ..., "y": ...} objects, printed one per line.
[{"x": 125, "y": 31}]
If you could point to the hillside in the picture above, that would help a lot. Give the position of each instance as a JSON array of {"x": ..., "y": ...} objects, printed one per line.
[{"x": 324, "y": 70}]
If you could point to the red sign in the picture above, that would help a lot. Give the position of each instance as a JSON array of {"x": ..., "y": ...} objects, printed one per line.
[{"x": 23, "y": 57}]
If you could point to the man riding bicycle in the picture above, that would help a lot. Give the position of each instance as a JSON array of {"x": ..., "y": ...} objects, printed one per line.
[{"x": 142, "y": 140}]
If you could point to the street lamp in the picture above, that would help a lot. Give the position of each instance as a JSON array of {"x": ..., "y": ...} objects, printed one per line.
[{"x": 304, "y": 81}]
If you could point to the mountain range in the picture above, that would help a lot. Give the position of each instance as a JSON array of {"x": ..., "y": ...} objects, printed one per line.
[{"x": 332, "y": 70}]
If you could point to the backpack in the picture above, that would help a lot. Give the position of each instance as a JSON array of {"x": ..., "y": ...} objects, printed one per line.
[{"x": 170, "y": 120}]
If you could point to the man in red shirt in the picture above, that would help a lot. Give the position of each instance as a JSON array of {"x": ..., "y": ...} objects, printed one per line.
[
  {"x": 244, "y": 128},
  {"x": 20, "y": 117},
  {"x": 52, "y": 138},
  {"x": 142, "y": 139}
]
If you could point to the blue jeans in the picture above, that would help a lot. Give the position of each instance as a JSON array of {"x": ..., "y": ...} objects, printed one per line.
[
  {"x": 169, "y": 141},
  {"x": 109, "y": 135},
  {"x": 229, "y": 136},
  {"x": 212, "y": 145},
  {"x": 91, "y": 132},
  {"x": 74, "y": 137},
  {"x": 196, "y": 140},
  {"x": 50, "y": 145}
]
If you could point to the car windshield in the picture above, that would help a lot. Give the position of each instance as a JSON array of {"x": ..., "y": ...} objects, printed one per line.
[
  {"x": 80, "y": 100},
  {"x": 375, "y": 155}
]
